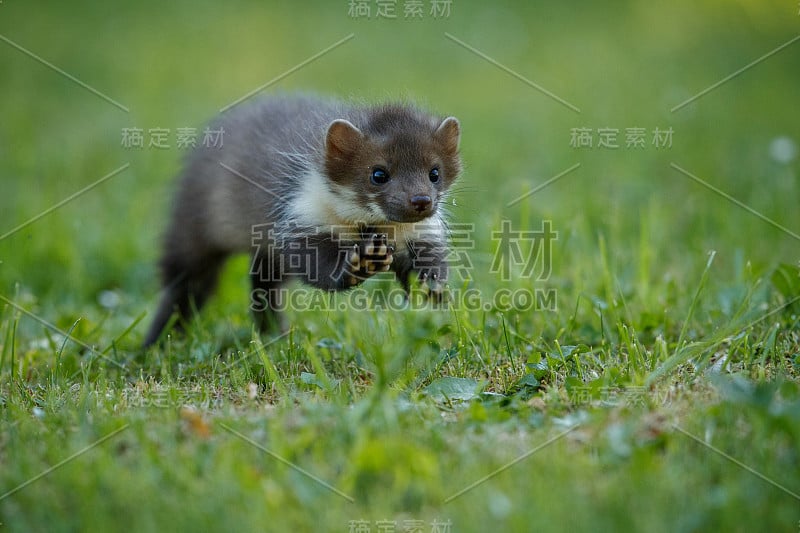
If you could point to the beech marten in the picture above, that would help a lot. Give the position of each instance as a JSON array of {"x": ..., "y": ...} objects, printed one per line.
[{"x": 350, "y": 190}]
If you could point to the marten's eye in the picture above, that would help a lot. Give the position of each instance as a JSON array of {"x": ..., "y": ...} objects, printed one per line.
[
  {"x": 379, "y": 176},
  {"x": 434, "y": 175}
]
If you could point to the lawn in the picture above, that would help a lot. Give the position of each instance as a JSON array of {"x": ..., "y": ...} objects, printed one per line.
[{"x": 621, "y": 351}]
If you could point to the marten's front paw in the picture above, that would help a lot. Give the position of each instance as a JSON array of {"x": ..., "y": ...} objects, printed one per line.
[
  {"x": 434, "y": 285},
  {"x": 374, "y": 254}
]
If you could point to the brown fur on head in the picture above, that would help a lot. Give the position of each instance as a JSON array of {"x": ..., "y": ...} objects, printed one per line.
[{"x": 398, "y": 164}]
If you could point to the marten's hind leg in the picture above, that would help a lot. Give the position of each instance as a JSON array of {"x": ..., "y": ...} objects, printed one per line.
[
  {"x": 187, "y": 286},
  {"x": 267, "y": 298}
]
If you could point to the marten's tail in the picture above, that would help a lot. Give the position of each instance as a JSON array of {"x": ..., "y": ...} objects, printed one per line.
[{"x": 187, "y": 284}]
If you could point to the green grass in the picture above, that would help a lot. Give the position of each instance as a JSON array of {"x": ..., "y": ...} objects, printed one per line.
[{"x": 662, "y": 394}]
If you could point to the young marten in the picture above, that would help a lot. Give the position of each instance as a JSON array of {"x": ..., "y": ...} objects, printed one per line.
[{"x": 345, "y": 190}]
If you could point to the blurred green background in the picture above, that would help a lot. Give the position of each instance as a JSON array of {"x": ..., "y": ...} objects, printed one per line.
[{"x": 634, "y": 238}]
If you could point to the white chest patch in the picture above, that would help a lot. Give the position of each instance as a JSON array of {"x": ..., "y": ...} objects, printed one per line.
[
  {"x": 430, "y": 230},
  {"x": 323, "y": 203}
]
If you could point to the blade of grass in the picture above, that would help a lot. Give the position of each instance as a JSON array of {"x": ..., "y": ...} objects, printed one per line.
[
  {"x": 272, "y": 372},
  {"x": 55, "y": 371},
  {"x": 695, "y": 300},
  {"x": 684, "y": 353}
]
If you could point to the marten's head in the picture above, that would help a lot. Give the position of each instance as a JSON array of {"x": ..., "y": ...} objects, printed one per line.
[{"x": 395, "y": 166}]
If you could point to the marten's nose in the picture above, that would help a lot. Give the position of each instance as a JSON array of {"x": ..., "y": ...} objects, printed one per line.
[{"x": 421, "y": 202}]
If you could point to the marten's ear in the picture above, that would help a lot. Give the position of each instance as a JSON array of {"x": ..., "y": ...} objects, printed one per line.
[
  {"x": 343, "y": 138},
  {"x": 449, "y": 134}
]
